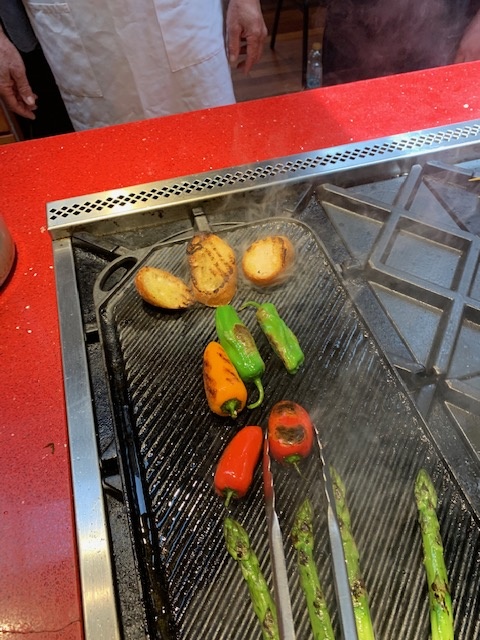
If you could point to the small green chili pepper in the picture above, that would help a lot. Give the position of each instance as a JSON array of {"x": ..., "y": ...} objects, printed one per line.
[
  {"x": 240, "y": 346},
  {"x": 282, "y": 339}
]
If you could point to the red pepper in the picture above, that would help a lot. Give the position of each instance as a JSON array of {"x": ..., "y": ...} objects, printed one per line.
[
  {"x": 234, "y": 473},
  {"x": 290, "y": 432}
]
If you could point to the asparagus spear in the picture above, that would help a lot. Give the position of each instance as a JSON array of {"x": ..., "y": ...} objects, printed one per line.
[
  {"x": 238, "y": 546},
  {"x": 441, "y": 611},
  {"x": 302, "y": 536},
  {"x": 361, "y": 610}
]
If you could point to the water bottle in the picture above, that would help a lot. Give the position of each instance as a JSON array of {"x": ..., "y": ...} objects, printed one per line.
[{"x": 314, "y": 67}]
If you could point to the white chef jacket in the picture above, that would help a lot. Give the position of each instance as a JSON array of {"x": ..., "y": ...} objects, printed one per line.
[{"x": 123, "y": 60}]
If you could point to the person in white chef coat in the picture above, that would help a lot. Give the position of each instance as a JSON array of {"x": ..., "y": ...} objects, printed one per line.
[{"x": 118, "y": 61}]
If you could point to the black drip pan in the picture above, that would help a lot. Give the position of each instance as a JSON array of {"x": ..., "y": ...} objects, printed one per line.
[{"x": 170, "y": 443}]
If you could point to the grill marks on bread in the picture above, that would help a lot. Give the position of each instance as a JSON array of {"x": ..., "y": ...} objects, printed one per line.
[
  {"x": 213, "y": 269},
  {"x": 268, "y": 260},
  {"x": 162, "y": 289}
]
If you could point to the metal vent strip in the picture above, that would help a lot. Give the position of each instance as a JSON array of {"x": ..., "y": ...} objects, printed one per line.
[{"x": 63, "y": 216}]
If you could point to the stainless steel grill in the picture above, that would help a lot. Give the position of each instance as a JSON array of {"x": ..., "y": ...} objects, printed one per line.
[{"x": 385, "y": 302}]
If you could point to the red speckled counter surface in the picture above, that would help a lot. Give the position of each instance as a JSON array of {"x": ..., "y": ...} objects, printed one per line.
[{"x": 39, "y": 595}]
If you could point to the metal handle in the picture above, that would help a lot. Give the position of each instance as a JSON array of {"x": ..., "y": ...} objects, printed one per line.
[
  {"x": 342, "y": 585},
  {"x": 277, "y": 554}
]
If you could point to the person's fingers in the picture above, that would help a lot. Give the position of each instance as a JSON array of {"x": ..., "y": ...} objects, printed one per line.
[
  {"x": 254, "y": 52},
  {"x": 22, "y": 105},
  {"x": 16, "y": 91},
  {"x": 245, "y": 27},
  {"x": 23, "y": 88},
  {"x": 234, "y": 45},
  {"x": 16, "y": 105},
  {"x": 14, "y": 86}
]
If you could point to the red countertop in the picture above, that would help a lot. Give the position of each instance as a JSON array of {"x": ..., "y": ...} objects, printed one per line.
[{"x": 39, "y": 592}]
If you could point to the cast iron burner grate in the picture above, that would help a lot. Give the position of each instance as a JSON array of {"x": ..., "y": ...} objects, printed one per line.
[{"x": 412, "y": 266}]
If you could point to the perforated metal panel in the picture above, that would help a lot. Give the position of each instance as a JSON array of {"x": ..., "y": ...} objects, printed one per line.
[{"x": 389, "y": 152}]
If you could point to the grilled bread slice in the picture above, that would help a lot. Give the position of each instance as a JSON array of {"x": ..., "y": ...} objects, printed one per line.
[
  {"x": 162, "y": 289},
  {"x": 213, "y": 269},
  {"x": 268, "y": 260}
]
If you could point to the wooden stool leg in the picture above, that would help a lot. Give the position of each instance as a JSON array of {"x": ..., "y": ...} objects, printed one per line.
[{"x": 276, "y": 20}]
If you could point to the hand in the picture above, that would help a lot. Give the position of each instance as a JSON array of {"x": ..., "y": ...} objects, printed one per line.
[
  {"x": 14, "y": 87},
  {"x": 246, "y": 33},
  {"x": 469, "y": 47}
]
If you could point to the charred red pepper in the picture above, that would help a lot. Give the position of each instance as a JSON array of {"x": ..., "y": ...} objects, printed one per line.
[
  {"x": 290, "y": 432},
  {"x": 235, "y": 469}
]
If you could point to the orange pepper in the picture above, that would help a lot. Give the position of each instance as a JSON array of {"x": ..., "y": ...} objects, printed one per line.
[{"x": 226, "y": 392}]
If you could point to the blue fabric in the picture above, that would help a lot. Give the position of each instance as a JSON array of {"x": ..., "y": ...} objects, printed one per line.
[{"x": 17, "y": 25}]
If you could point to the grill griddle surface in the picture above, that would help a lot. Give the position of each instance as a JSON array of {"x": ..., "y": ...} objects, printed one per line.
[{"x": 374, "y": 437}]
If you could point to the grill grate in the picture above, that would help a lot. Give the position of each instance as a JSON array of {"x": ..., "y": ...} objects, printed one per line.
[{"x": 373, "y": 435}]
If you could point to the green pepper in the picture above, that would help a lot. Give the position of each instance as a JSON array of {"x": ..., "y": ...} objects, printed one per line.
[
  {"x": 282, "y": 339},
  {"x": 240, "y": 346}
]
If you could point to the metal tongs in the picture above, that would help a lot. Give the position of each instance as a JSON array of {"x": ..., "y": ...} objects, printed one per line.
[
  {"x": 342, "y": 586},
  {"x": 277, "y": 553}
]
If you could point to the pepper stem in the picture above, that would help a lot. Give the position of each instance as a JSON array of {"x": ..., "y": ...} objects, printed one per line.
[
  {"x": 294, "y": 460},
  {"x": 229, "y": 493},
  {"x": 295, "y": 464},
  {"x": 259, "y": 385},
  {"x": 250, "y": 303},
  {"x": 231, "y": 407}
]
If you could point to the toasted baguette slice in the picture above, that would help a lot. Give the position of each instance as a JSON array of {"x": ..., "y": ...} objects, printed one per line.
[
  {"x": 267, "y": 260},
  {"x": 213, "y": 269},
  {"x": 162, "y": 289}
]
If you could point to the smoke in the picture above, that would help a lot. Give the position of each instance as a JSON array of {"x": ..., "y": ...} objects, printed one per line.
[{"x": 371, "y": 39}]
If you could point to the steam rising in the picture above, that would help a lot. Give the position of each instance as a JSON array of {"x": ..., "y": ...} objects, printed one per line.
[{"x": 378, "y": 38}]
